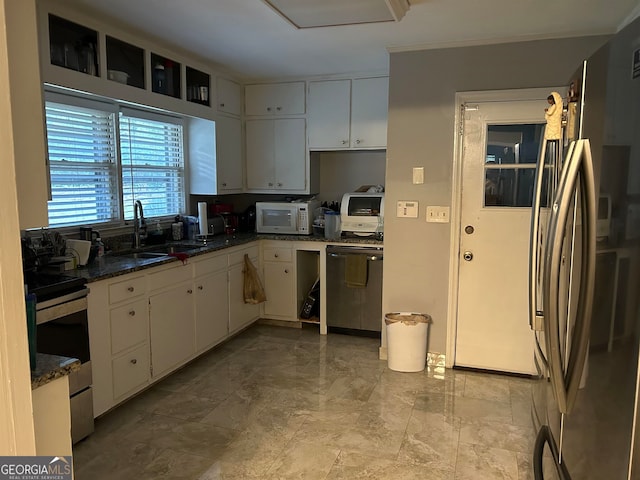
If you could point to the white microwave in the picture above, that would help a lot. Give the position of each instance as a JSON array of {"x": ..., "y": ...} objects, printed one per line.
[{"x": 291, "y": 218}]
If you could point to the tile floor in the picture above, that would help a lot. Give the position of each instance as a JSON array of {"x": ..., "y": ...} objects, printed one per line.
[{"x": 281, "y": 403}]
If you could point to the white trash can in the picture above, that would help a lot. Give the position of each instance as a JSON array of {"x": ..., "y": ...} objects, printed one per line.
[{"x": 407, "y": 341}]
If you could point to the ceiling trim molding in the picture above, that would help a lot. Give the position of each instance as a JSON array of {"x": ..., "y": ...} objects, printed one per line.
[
  {"x": 493, "y": 41},
  {"x": 398, "y": 8}
]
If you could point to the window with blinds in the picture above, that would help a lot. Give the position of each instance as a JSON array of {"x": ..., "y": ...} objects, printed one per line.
[
  {"x": 82, "y": 165},
  {"x": 94, "y": 181},
  {"x": 151, "y": 154}
]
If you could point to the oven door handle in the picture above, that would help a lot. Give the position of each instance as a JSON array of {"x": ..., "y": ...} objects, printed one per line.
[
  {"x": 62, "y": 299},
  {"x": 54, "y": 312}
]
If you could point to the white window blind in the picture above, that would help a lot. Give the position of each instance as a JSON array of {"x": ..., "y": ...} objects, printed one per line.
[
  {"x": 152, "y": 158},
  {"x": 82, "y": 159}
]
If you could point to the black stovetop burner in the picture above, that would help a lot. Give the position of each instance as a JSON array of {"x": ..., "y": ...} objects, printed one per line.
[{"x": 50, "y": 285}]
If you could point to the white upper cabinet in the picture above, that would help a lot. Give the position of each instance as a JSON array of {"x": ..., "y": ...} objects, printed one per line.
[
  {"x": 276, "y": 155},
  {"x": 329, "y": 114},
  {"x": 229, "y": 96},
  {"x": 348, "y": 114},
  {"x": 369, "y": 106},
  {"x": 215, "y": 156},
  {"x": 275, "y": 99},
  {"x": 229, "y": 155}
]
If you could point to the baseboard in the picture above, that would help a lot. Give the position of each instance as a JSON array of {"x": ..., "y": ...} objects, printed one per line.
[{"x": 279, "y": 323}]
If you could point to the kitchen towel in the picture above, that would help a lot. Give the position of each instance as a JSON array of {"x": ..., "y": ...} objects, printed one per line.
[{"x": 356, "y": 271}]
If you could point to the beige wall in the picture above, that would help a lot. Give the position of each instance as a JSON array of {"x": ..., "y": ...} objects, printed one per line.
[
  {"x": 422, "y": 90},
  {"x": 345, "y": 171}
]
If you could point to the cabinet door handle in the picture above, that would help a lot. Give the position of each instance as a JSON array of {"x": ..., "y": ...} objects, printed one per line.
[
  {"x": 275, "y": 255},
  {"x": 286, "y": 270},
  {"x": 278, "y": 108},
  {"x": 222, "y": 104},
  {"x": 130, "y": 289},
  {"x": 200, "y": 287},
  {"x": 358, "y": 141},
  {"x": 279, "y": 184},
  {"x": 344, "y": 142},
  {"x": 189, "y": 291},
  {"x": 133, "y": 361},
  {"x": 224, "y": 184},
  {"x": 270, "y": 184},
  {"x": 132, "y": 313},
  {"x": 268, "y": 109}
]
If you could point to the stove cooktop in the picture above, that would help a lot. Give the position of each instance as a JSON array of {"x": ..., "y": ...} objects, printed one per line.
[{"x": 46, "y": 286}]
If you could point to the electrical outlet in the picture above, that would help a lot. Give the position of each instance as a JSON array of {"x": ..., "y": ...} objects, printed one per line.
[{"x": 438, "y": 214}]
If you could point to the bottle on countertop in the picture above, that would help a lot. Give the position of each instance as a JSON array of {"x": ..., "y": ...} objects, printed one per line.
[{"x": 100, "y": 247}]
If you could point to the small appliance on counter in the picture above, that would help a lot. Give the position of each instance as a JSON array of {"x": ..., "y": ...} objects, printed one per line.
[
  {"x": 247, "y": 220},
  {"x": 362, "y": 214},
  {"x": 290, "y": 218}
]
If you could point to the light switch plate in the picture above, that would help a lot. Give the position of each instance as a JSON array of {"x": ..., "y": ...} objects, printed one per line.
[
  {"x": 438, "y": 214},
  {"x": 407, "y": 209},
  {"x": 418, "y": 175}
]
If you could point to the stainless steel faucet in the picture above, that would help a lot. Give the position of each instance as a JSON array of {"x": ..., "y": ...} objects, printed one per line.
[{"x": 139, "y": 224}]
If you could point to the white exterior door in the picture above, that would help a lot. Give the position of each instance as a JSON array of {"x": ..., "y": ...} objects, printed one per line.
[{"x": 500, "y": 148}]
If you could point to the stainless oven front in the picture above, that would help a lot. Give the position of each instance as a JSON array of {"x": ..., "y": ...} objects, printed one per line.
[{"x": 62, "y": 329}]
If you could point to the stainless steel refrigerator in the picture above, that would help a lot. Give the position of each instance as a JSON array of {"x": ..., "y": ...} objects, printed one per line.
[{"x": 585, "y": 274}]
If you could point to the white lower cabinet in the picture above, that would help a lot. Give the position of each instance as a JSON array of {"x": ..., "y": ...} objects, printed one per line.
[
  {"x": 240, "y": 314},
  {"x": 144, "y": 325},
  {"x": 118, "y": 339},
  {"x": 172, "y": 328},
  {"x": 130, "y": 370},
  {"x": 212, "y": 309},
  {"x": 279, "y": 282}
]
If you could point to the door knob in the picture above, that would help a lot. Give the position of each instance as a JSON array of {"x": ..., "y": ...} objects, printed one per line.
[{"x": 468, "y": 256}]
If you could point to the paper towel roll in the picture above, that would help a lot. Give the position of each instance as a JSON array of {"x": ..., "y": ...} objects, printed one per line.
[{"x": 202, "y": 218}]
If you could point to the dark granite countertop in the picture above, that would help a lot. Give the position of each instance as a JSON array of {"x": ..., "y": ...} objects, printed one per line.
[
  {"x": 115, "y": 264},
  {"x": 50, "y": 367}
]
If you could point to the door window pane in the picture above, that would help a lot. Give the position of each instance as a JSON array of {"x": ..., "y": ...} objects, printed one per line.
[{"x": 510, "y": 162}]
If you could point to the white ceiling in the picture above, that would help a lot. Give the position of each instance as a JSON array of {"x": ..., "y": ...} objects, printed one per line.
[{"x": 250, "y": 39}]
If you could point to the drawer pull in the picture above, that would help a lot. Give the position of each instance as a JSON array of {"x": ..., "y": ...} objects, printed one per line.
[
  {"x": 133, "y": 361},
  {"x": 200, "y": 287},
  {"x": 286, "y": 270},
  {"x": 130, "y": 289},
  {"x": 276, "y": 255},
  {"x": 189, "y": 291},
  {"x": 132, "y": 313}
]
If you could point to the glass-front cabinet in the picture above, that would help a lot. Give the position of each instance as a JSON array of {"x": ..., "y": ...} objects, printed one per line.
[
  {"x": 165, "y": 76},
  {"x": 73, "y": 46},
  {"x": 198, "y": 86},
  {"x": 125, "y": 62}
]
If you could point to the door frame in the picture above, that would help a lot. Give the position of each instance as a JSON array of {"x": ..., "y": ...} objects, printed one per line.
[{"x": 462, "y": 98}]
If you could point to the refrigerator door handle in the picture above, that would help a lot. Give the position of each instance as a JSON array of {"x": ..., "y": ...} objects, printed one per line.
[
  {"x": 565, "y": 385},
  {"x": 535, "y": 316},
  {"x": 537, "y": 238},
  {"x": 582, "y": 328}
]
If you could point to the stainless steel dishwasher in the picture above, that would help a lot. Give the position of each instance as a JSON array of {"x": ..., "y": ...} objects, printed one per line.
[{"x": 354, "y": 289}]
